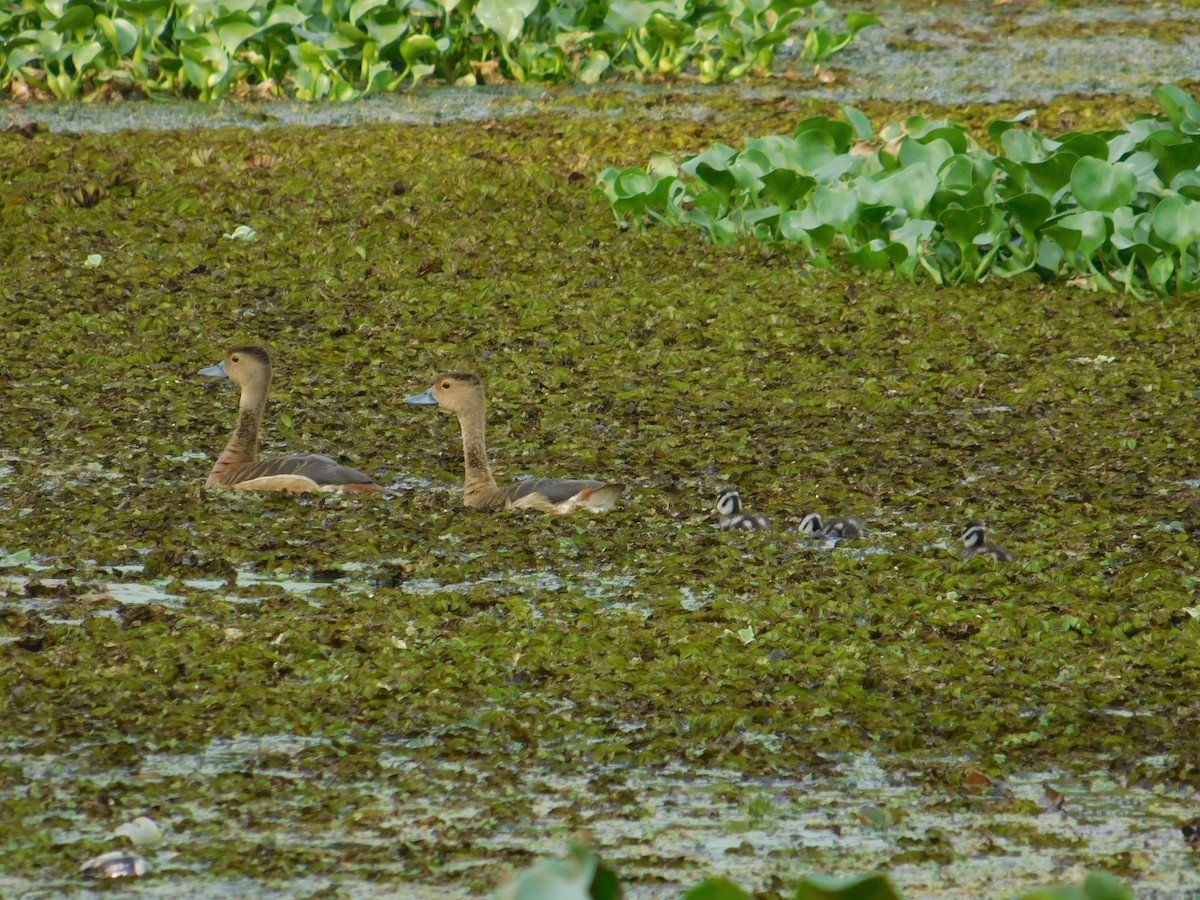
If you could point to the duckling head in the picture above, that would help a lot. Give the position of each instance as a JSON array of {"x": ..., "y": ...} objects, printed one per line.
[
  {"x": 729, "y": 502},
  {"x": 811, "y": 524},
  {"x": 974, "y": 535},
  {"x": 244, "y": 366},
  {"x": 456, "y": 392}
]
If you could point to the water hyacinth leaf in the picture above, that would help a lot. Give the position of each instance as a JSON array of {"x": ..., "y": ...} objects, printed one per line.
[
  {"x": 594, "y": 67},
  {"x": 627, "y": 16},
  {"x": 835, "y": 134},
  {"x": 1085, "y": 144},
  {"x": 997, "y": 128},
  {"x": 1053, "y": 173},
  {"x": 360, "y": 8},
  {"x": 505, "y": 18},
  {"x": 233, "y": 31},
  {"x": 1020, "y": 147},
  {"x": 715, "y": 157},
  {"x": 932, "y": 154},
  {"x": 75, "y": 19},
  {"x": 910, "y": 189},
  {"x": 1174, "y": 155},
  {"x": 747, "y": 168},
  {"x": 1160, "y": 273},
  {"x": 963, "y": 225},
  {"x": 387, "y": 27},
  {"x": 1187, "y": 184},
  {"x": 121, "y": 34},
  {"x": 837, "y": 208},
  {"x": 959, "y": 171},
  {"x": 877, "y": 254},
  {"x": 1176, "y": 103},
  {"x": 1096, "y": 886},
  {"x": 859, "y": 122},
  {"x": 415, "y": 46},
  {"x": 865, "y": 887},
  {"x": 668, "y": 30},
  {"x": 1051, "y": 254},
  {"x": 1129, "y": 227},
  {"x": 785, "y": 187},
  {"x": 780, "y": 149},
  {"x": 85, "y": 53},
  {"x": 803, "y": 228},
  {"x": 1100, "y": 185},
  {"x": 1177, "y": 221},
  {"x": 716, "y": 889},
  {"x": 954, "y": 135},
  {"x": 285, "y": 15},
  {"x": 1083, "y": 232}
]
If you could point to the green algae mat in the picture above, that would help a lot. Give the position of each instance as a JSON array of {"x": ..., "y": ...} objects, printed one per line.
[{"x": 370, "y": 696}]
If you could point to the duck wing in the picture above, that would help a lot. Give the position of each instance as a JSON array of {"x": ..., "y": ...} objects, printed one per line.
[
  {"x": 292, "y": 472},
  {"x": 562, "y": 494}
]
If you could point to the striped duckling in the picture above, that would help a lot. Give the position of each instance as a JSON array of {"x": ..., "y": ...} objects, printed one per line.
[
  {"x": 838, "y": 529},
  {"x": 239, "y": 468},
  {"x": 975, "y": 543},
  {"x": 462, "y": 394},
  {"x": 733, "y": 515}
]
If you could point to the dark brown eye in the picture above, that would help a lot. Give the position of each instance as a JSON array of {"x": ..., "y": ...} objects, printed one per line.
[
  {"x": 233, "y": 359},
  {"x": 445, "y": 384}
]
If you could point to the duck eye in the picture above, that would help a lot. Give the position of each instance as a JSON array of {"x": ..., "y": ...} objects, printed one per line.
[
  {"x": 446, "y": 384},
  {"x": 233, "y": 359}
]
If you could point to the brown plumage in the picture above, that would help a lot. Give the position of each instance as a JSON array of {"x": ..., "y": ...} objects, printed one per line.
[
  {"x": 239, "y": 468},
  {"x": 462, "y": 394}
]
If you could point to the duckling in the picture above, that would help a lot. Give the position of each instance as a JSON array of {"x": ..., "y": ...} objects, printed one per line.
[
  {"x": 974, "y": 538},
  {"x": 462, "y": 394},
  {"x": 238, "y": 466},
  {"x": 734, "y": 516},
  {"x": 839, "y": 529}
]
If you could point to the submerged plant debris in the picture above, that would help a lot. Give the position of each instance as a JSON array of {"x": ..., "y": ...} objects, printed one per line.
[{"x": 388, "y": 723}]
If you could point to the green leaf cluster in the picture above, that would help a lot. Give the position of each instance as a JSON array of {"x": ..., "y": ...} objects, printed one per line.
[
  {"x": 584, "y": 877},
  {"x": 346, "y": 49},
  {"x": 1117, "y": 208}
]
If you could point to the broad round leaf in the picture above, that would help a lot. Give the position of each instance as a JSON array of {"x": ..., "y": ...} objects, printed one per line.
[
  {"x": 1101, "y": 185},
  {"x": 1177, "y": 221}
]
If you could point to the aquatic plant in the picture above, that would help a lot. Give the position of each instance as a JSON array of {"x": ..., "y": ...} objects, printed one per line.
[
  {"x": 351, "y": 48},
  {"x": 1117, "y": 209},
  {"x": 582, "y": 875}
]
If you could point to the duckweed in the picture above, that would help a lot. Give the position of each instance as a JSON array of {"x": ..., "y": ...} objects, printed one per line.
[{"x": 476, "y": 646}]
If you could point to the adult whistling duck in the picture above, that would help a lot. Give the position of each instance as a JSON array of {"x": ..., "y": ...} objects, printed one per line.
[
  {"x": 733, "y": 515},
  {"x": 462, "y": 394},
  {"x": 239, "y": 468}
]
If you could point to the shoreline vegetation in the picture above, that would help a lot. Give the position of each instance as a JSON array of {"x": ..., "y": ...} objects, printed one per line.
[{"x": 342, "y": 50}]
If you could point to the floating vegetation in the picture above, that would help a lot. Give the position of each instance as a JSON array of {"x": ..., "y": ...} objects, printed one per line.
[
  {"x": 432, "y": 696},
  {"x": 1113, "y": 210},
  {"x": 345, "y": 50}
]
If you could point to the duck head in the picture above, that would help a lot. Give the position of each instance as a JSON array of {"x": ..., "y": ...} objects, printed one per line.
[
  {"x": 244, "y": 366},
  {"x": 456, "y": 392}
]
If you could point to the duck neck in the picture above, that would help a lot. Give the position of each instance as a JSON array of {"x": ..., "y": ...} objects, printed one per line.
[
  {"x": 479, "y": 487},
  {"x": 243, "y": 444}
]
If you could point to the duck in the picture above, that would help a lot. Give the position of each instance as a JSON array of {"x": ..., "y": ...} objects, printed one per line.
[
  {"x": 239, "y": 468},
  {"x": 733, "y": 515},
  {"x": 462, "y": 393},
  {"x": 839, "y": 529},
  {"x": 975, "y": 542}
]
